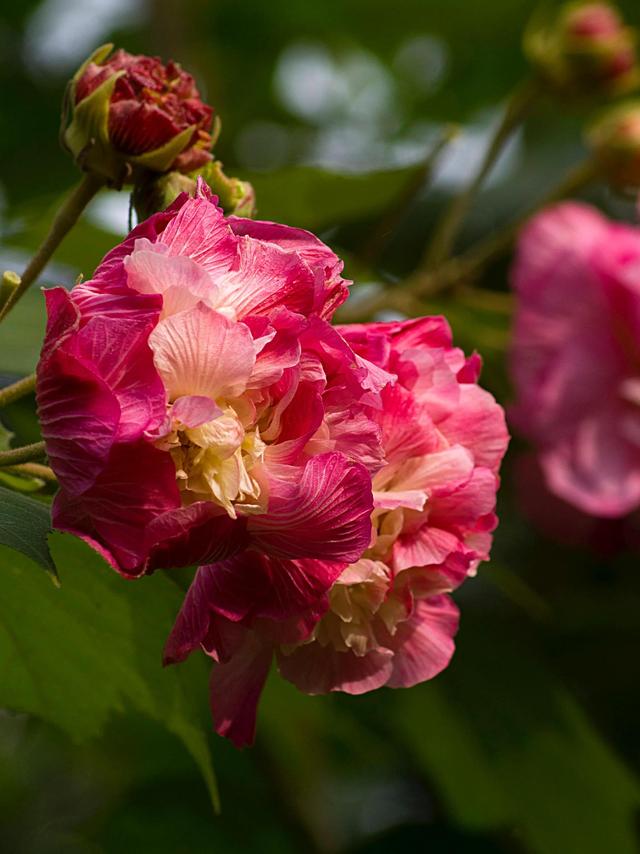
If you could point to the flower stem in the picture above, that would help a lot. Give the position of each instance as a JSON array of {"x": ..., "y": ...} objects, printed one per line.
[
  {"x": 26, "y": 454},
  {"x": 33, "y": 470},
  {"x": 387, "y": 225},
  {"x": 63, "y": 222},
  {"x": 447, "y": 230},
  {"x": 462, "y": 270},
  {"x": 471, "y": 264},
  {"x": 16, "y": 390}
]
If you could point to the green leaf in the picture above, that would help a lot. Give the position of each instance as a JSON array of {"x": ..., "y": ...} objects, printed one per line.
[
  {"x": 312, "y": 198},
  {"x": 24, "y": 526},
  {"x": 78, "y": 654},
  {"x": 22, "y": 337},
  {"x": 509, "y": 747}
]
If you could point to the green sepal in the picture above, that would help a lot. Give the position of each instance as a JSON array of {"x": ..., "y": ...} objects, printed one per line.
[
  {"x": 97, "y": 57},
  {"x": 153, "y": 193},
  {"x": 160, "y": 159},
  {"x": 87, "y": 137},
  {"x": 235, "y": 196}
]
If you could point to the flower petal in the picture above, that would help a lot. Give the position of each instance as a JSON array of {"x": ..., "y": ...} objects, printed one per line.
[
  {"x": 201, "y": 352},
  {"x": 424, "y": 644},
  {"x": 316, "y": 669},
  {"x": 266, "y": 277},
  {"x": 181, "y": 281},
  {"x": 333, "y": 289},
  {"x": 235, "y": 690},
  {"x": 325, "y": 515},
  {"x": 199, "y": 231}
]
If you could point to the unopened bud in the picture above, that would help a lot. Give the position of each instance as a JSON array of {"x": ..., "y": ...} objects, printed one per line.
[
  {"x": 586, "y": 47},
  {"x": 235, "y": 196},
  {"x": 10, "y": 283},
  {"x": 155, "y": 193},
  {"x": 615, "y": 141},
  {"x": 131, "y": 113}
]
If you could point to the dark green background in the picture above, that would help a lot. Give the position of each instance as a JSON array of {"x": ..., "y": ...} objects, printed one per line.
[{"x": 529, "y": 742}]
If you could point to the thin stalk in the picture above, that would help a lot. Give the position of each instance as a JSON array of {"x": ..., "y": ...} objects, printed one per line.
[
  {"x": 63, "y": 222},
  {"x": 470, "y": 265},
  {"x": 467, "y": 267},
  {"x": 26, "y": 454},
  {"x": 17, "y": 390},
  {"x": 388, "y": 224},
  {"x": 33, "y": 470},
  {"x": 447, "y": 230}
]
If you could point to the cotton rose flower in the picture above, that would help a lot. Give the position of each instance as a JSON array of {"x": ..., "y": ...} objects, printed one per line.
[
  {"x": 575, "y": 356},
  {"x": 195, "y": 402},
  {"x": 582, "y": 48},
  {"x": 388, "y": 619},
  {"x": 134, "y": 112}
]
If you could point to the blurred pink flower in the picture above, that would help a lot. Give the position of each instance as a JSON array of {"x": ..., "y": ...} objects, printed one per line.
[
  {"x": 388, "y": 620},
  {"x": 576, "y": 356},
  {"x": 195, "y": 402}
]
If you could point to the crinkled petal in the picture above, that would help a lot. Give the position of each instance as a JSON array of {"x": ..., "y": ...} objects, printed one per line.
[
  {"x": 265, "y": 278},
  {"x": 180, "y": 280},
  {"x": 332, "y": 290},
  {"x": 201, "y": 352},
  {"x": 199, "y": 231},
  {"x": 324, "y": 515},
  {"x": 424, "y": 645},
  {"x": 316, "y": 669}
]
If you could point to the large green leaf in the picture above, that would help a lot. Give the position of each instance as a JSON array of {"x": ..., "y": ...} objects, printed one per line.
[
  {"x": 312, "y": 198},
  {"x": 77, "y": 654},
  {"x": 509, "y": 747},
  {"x": 24, "y": 526}
]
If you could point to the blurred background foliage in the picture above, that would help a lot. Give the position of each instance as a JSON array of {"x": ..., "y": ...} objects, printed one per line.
[{"x": 529, "y": 742}]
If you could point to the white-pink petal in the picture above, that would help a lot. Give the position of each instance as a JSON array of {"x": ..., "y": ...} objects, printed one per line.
[{"x": 201, "y": 352}]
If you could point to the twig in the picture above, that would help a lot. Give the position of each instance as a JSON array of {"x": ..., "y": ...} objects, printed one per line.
[
  {"x": 446, "y": 232},
  {"x": 390, "y": 220},
  {"x": 17, "y": 390},
  {"x": 467, "y": 267},
  {"x": 26, "y": 454},
  {"x": 33, "y": 470},
  {"x": 64, "y": 220}
]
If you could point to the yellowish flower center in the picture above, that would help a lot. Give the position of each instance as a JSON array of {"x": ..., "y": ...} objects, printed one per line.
[
  {"x": 348, "y": 624},
  {"x": 220, "y": 461}
]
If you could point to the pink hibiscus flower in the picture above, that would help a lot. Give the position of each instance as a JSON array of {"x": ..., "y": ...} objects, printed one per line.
[
  {"x": 195, "y": 402},
  {"x": 388, "y": 619},
  {"x": 576, "y": 356}
]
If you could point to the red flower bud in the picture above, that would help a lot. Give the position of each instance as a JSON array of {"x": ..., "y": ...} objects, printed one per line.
[
  {"x": 129, "y": 111},
  {"x": 586, "y": 48},
  {"x": 593, "y": 20}
]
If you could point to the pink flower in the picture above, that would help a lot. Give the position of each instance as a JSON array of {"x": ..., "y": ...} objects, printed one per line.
[
  {"x": 576, "y": 356},
  {"x": 195, "y": 402},
  {"x": 388, "y": 619}
]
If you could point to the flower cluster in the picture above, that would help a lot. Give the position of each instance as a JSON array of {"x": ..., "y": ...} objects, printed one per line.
[
  {"x": 388, "y": 619},
  {"x": 334, "y": 484},
  {"x": 576, "y": 356}
]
